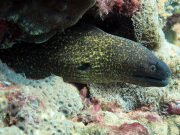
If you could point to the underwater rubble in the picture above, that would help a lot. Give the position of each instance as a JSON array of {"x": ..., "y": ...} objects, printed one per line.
[{"x": 51, "y": 106}]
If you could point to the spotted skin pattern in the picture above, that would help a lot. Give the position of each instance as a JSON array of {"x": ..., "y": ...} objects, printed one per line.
[{"x": 86, "y": 54}]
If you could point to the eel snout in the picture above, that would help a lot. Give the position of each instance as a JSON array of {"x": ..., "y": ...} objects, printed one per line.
[{"x": 157, "y": 74}]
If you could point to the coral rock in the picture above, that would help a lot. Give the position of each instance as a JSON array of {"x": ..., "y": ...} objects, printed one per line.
[
  {"x": 131, "y": 129},
  {"x": 39, "y": 20},
  {"x": 147, "y": 26}
]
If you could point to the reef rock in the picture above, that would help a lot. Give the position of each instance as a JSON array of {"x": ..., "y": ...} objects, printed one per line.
[
  {"x": 147, "y": 26},
  {"x": 38, "y": 20}
]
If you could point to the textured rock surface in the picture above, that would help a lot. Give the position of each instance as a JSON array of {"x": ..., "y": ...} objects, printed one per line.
[
  {"x": 129, "y": 96},
  {"x": 147, "y": 26},
  {"x": 11, "y": 131},
  {"x": 52, "y": 91},
  {"x": 39, "y": 20},
  {"x": 170, "y": 53},
  {"x": 37, "y": 104},
  {"x": 168, "y": 8}
]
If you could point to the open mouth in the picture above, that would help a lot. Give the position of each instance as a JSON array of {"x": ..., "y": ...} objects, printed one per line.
[{"x": 153, "y": 81}]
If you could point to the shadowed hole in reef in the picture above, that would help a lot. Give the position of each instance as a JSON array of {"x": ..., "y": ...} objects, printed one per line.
[
  {"x": 59, "y": 131},
  {"x": 84, "y": 66},
  {"x": 113, "y": 23},
  {"x": 66, "y": 112}
]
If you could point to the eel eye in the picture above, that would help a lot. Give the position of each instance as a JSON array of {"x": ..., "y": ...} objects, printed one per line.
[{"x": 152, "y": 68}]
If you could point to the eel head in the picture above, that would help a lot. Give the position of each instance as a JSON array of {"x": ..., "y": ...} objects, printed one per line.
[
  {"x": 142, "y": 67},
  {"x": 153, "y": 73}
]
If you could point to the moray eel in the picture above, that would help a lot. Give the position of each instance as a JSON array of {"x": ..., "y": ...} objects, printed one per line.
[{"x": 86, "y": 54}]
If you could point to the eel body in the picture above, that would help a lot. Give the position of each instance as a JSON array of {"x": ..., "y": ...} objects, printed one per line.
[{"x": 86, "y": 54}]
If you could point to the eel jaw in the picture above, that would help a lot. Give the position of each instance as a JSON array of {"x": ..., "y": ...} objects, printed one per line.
[
  {"x": 159, "y": 77},
  {"x": 149, "y": 81}
]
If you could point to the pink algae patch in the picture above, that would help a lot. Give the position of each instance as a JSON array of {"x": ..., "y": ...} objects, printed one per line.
[
  {"x": 174, "y": 107},
  {"x": 130, "y": 129},
  {"x": 125, "y": 7},
  {"x": 105, "y": 6},
  {"x": 152, "y": 118}
]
